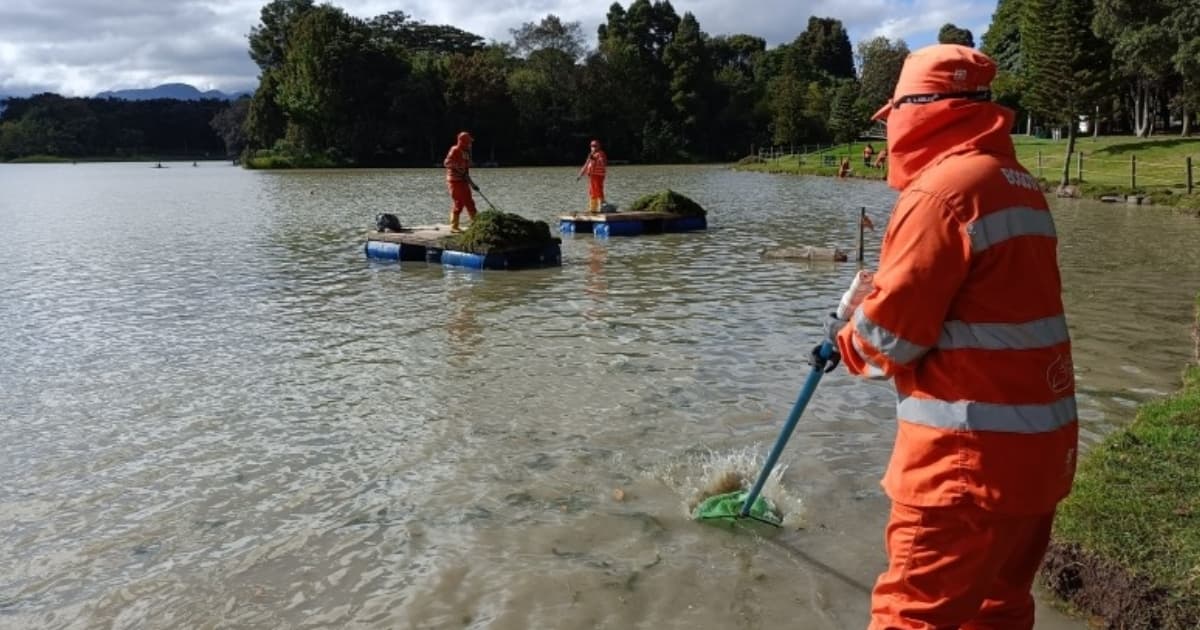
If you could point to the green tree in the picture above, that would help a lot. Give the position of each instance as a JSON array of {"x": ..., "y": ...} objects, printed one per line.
[
  {"x": 691, "y": 84},
  {"x": 551, "y": 33},
  {"x": 477, "y": 99},
  {"x": 1065, "y": 63},
  {"x": 738, "y": 96},
  {"x": 881, "y": 61},
  {"x": 951, "y": 34},
  {"x": 543, "y": 91},
  {"x": 337, "y": 84},
  {"x": 1184, "y": 25},
  {"x": 399, "y": 28},
  {"x": 845, "y": 118},
  {"x": 230, "y": 123},
  {"x": 265, "y": 121},
  {"x": 1002, "y": 42},
  {"x": 824, "y": 47},
  {"x": 1142, "y": 48},
  {"x": 269, "y": 39}
]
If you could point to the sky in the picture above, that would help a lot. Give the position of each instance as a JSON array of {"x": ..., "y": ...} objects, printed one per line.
[{"x": 82, "y": 47}]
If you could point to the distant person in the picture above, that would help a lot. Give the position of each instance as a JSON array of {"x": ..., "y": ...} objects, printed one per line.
[
  {"x": 868, "y": 151},
  {"x": 881, "y": 161},
  {"x": 966, "y": 318},
  {"x": 844, "y": 169},
  {"x": 458, "y": 179},
  {"x": 595, "y": 168}
]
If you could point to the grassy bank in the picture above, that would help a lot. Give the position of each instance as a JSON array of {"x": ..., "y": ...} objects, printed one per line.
[
  {"x": 1112, "y": 165},
  {"x": 1126, "y": 547}
]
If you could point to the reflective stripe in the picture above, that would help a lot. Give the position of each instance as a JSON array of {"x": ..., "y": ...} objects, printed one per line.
[
  {"x": 893, "y": 346},
  {"x": 1039, "y": 333},
  {"x": 1005, "y": 224},
  {"x": 966, "y": 415},
  {"x": 873, "y": 371}
]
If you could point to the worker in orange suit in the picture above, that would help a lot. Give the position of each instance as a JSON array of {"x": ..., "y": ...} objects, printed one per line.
[
  {"x": 595, "y": 168},
  {"x": 965, "y": 315},
  {"x": 458, "y": 179}
]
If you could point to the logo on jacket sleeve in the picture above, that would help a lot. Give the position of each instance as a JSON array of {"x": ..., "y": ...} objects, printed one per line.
[{"x": 1060, "y": 375}]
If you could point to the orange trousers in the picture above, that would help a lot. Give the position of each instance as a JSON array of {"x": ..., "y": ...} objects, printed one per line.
[
  {"x": 460, "y": 197},
  {"x": 596, "y": 187},
  {"x": 959, "y": 567}
]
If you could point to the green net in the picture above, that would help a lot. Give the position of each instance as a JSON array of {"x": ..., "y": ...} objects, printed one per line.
[{"x": 728, "y": 507}]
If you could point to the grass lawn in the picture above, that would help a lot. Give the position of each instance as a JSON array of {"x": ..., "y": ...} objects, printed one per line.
[
  {"x": 1161, "y": 170},
  {"x": 1126, "y": 543}
]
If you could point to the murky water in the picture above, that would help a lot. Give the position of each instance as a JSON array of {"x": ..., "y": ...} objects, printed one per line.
[{"x": 215, "y": 413}]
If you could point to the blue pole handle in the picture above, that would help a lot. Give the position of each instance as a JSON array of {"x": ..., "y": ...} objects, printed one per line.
[{"x": 806, "y": 393}]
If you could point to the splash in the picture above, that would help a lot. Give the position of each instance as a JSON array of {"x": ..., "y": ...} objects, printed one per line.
[{"x": 708, "y": 474}]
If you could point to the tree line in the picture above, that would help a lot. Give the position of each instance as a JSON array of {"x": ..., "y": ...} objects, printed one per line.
[
  {"x": 393, "y": 90},
  {"x": 53, "y": 125}
]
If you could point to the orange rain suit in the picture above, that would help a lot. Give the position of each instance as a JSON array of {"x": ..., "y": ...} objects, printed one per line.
[
  {"x": 595, "y": 168},
  {"x": 458, "y": 179},
  {"x": 967, "y": 318}
]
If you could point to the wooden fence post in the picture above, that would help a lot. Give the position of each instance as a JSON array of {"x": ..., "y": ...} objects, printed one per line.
[
  {"x": 1133, "y": 171},
  {"x": 862, "y": 220},
  {"x": 1039, "y": 162},
  {"x": 1079, "y": 169},
  {"x": 1189, "y": 174}
]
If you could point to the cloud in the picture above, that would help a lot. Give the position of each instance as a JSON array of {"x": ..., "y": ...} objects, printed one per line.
[{"x": 81, "y": 47}]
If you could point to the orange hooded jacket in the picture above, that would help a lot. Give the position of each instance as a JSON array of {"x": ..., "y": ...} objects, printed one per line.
[{"x": 966, "y": 316}]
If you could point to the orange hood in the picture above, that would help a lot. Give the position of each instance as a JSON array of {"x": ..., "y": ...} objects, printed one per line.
[{"x": 919, "y": 136}]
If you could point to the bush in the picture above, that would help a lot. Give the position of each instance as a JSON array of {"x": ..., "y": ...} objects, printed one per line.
[
  {"x": 751, "y": 159},
  {"x": 493, "y": 231},
  {"x": 668, "y": 201}
]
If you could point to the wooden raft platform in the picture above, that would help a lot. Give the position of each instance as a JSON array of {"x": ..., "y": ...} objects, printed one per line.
[
  {"x": 603, "y": 225},
  {"x": 423, "y": 244}
]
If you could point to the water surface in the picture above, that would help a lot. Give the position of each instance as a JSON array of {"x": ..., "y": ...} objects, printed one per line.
[{"x": 217, "y": 413}]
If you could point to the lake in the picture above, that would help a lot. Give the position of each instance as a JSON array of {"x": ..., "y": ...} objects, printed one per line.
[{"x": 215, "y": 412}]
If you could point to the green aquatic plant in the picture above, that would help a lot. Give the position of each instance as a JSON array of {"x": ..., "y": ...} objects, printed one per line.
[
  {"x": 668, "y": 201},
  {"x": 493, "y": 231}
]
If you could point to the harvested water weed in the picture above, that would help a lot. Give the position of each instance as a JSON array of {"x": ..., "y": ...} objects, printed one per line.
[
  {"x": 493, "y": 231},
  {"x": 668, "y": 201}
]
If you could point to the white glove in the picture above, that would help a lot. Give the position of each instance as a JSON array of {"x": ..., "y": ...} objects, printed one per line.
[{"x": 859, "y": 289}]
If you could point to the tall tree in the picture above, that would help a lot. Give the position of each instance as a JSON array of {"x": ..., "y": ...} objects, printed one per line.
[
  {"x": 824, "y": 47},
  {"x": 401, "y": 29},
  {"x": 881, "y": 61},
  {"x": 1184, "y": 25},
  {"x": 1002, "y": 42},
  {"x": 269, "y": 39},
  {"x": 691, "y": 84},
  {"x": 1142, "y": 48},
  {"x": 845, "y": 118},
  {"x": 951, "y": 34},
  {"x": 737, "y": 104},
  {"x": 1067, "y": 66},
  {"x": 230, "y": 123},
  {"x": 552, "y": 34}
]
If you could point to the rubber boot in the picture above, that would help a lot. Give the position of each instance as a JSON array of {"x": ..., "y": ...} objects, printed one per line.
[
  {"x": 454, "y": 222},
  {"x": 593, "y": 205}
]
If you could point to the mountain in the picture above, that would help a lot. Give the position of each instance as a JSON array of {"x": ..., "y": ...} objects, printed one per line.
[{"x": 178, "y": 91}]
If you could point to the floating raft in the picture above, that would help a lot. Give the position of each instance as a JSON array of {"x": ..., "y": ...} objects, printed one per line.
[
  {"x": 423, "y": 244},
  {"x": 603, "y": 225}
]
